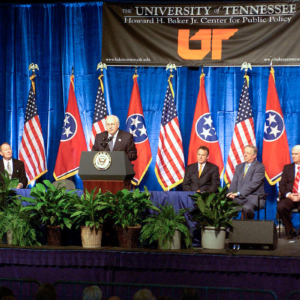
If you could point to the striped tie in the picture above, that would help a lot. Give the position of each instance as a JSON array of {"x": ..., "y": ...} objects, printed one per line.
[
  {"x": 200, "y": 170},
  {"x": 296, "y": 182},
  {"x": 245, "y": 171}
]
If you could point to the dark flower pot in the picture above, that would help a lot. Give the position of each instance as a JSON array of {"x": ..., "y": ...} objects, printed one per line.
[
  {"x": 54, "y": 235},
  {"x": 128, "y": 237}
]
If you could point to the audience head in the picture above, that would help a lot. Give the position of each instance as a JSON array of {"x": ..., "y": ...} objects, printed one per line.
[
  {"x": 92, "y": 293},
  {"x": 8, "y": 298},
  {"x": 5, "y": 151},
  {"x": 46, "y": 292},
  {"x": 114, "y": 298},
  {"x": 5, "y": 291},
  {"x": 143, "y": 295},
  {"x": 190, "y": 294}
]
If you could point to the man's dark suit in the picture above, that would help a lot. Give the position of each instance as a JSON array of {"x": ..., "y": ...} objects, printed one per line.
[
  {"x": 18, "y": 171},
  {"x": 209, "y": 180},
  {"x": 124, "y": 142},
  {"x": 285, "y": 205},
  {"x": 249, "y": 186}
]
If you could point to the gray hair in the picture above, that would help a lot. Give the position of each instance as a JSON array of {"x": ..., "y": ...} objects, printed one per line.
[
  {"x": 92, "y": 293},
  {"x": 296, "y": 147},
  {"x": 254, "y": 149},
  {"x": 118, "y": 121}
]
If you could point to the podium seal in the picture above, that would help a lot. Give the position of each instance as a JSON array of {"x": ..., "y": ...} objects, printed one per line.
[{"x": 102, "y": 161}]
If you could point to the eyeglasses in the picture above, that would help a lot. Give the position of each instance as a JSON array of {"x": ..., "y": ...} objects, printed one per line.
[{"x": 111, "y": 124}]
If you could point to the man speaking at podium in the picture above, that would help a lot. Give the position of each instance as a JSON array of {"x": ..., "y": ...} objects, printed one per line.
[{"x": 115, "y": 139}]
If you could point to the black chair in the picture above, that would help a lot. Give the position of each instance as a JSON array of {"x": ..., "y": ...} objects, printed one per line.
[
  {"x": 261, "y": 197},
  {"x": 293, "y": 211}
]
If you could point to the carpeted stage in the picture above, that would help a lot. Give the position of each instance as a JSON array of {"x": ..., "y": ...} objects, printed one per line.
[{"x": 277, "y": 270}]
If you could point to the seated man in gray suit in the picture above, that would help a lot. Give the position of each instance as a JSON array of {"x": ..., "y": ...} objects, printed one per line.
[
  {"x": 201, "y": 176},
  {"x": 248, "y": 182}
]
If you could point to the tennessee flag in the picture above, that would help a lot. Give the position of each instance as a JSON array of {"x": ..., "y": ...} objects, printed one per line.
[
  {"x": 203, "y": 131},
  {"x": 135, "y": 124},
  {"x": 275, "y": 145},
  {"x": 72, "y": 141}
]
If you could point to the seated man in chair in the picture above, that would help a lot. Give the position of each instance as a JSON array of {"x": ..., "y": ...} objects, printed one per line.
[
  {"x": 248, "y": 182},
  {"x": 289, "y": 189}
]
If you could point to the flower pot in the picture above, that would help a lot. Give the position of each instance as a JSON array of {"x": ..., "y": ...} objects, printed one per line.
[
  {"x": 175, "y": 244},
  {"x": 91, "y": 237},
  {"x": 129, "y": 237},
  {"x": 9, "y": 237},
  {"x": 54, "y": 235},
  {"x": 213, "y": 237}
]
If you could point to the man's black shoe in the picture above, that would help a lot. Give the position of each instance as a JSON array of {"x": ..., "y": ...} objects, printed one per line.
[{"x": 291, "y": 234}]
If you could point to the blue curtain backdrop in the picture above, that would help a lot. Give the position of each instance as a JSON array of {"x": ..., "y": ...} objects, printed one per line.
[{"x": 59, "y": 36}]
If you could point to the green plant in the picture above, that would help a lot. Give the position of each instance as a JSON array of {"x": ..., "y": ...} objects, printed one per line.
[
  {"x": 89, "y": 210},
  {"x": 53, "y": 205},
  {"x": 161, "y": 227},
  {"x": 23, "y": 233},
  {"x": 7, "y": 194},
  {"x": 214, "y": 210},
  {"x": 127, "y": 208}
]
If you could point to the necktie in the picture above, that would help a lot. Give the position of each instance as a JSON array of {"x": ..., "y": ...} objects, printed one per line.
[
  {"x": 8, "y": 169},
  {"x": 111, "y": 144},
  {"x": 200, "y": 170},
  {"x": 296, "y": 182},
  {"x": 246, "y": 169}
]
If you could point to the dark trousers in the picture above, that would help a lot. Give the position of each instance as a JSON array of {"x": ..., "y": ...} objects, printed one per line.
[
  {"x": 284, "y": 208},
  {"x": 248, "y": 207}
]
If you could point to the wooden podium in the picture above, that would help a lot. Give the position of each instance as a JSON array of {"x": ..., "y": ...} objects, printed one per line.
[{"x": 117, "y": 177}]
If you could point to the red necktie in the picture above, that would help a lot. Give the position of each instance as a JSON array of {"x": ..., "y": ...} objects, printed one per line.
[{"x": 296, "y": 182}]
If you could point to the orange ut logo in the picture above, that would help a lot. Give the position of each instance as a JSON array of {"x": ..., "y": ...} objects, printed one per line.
[{"x": 211, "y": 40}]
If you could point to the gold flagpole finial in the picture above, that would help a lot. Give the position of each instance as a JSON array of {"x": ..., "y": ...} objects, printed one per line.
[
  {"x": 33, "y": 67},
  {"x": 171, "y": 67},
  {"x": 101, "y": 66},
  {"x": 246, "y": 66}
]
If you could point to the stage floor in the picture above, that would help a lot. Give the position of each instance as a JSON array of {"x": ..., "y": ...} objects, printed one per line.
[{"x": 286, "y": 248}]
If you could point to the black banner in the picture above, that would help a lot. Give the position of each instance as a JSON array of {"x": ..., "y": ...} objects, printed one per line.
[{"x": 210, "y": 34}]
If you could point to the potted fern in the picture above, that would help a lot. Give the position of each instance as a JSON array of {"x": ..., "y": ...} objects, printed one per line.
[
  {"x": 52, "y": 206},
  {"x": 214, "y": 214},
  {"x": 166, "y": 227},
  {"x": 89, "y": 215},
  {"x": 127, "y": 209}
]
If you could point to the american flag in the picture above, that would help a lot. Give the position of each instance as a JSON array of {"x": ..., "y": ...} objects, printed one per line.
[
  {"x": 243, "y": 133},
  {"x": 32, "y": 150},
  {"x": 100, "y": 113},
  {"x": 169, "y": 166}
]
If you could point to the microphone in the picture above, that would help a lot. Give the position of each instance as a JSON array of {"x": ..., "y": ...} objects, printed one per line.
[{"x": 105, "y": 142}]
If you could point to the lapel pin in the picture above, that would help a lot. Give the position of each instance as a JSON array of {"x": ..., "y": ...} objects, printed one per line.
[{"x": 119, "y": 140}]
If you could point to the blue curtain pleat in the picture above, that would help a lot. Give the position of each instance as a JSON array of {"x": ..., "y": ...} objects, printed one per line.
[{"x": 60, "y": 36}]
